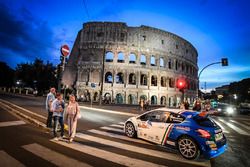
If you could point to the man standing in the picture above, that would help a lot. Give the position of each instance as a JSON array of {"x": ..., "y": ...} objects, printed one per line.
[
  {"x": 58, "y": 106},
  {"x": 50, "y": 98}
]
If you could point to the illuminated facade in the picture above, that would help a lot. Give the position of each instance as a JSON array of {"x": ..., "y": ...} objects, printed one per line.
[{"x": 139, "y": 63}]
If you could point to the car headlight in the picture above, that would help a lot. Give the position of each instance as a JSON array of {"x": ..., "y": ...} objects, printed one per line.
[
  {"x": 219, "y": 109},
  {"x": 230, "y": 110}
]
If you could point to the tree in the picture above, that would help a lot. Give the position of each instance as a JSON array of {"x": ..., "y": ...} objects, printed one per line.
[
  {"x": 6, "y": 75},
  {"x": 37, "y": 75}
]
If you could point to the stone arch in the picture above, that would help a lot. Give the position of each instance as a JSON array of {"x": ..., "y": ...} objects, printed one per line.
[
  {"x": 144, "y": 79},
  {"x": 143, "y": 60},
  {"x": 153, "y": 80},
  {"x": 163, "y": 81},
  {"x": 132, "y": 79},
  {"x": 162, "y": 62},
  {"x": 107, "y": 98},
  {"x": 119, "y": 98},
  {"x": 132, "y": 58},
  {"x": 109, "y": 57},
  {"x": 120, "y": 78},
  {"x": 120, "y": 58},
  {"x": 163, "y": 100},
  {"x": 153, "y": 100},
  {"x": 108, "y": 77},
  {"x": 152, "y": 60},
  {"x": 131, "y": 99}
]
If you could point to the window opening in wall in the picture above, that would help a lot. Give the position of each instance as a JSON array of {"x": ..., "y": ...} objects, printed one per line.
[
  {"x": 163, "y": 81},
  {"x": 120, "y": 78},
  {"x": 176, "y": 65},
  {"x": 108, "y": 77},
  {"x": 143, "y": 79},
  {"x": 144, "y": 37},
  {"x": 132, "y": 58},
  {"x": 143, "y": 60},
  {"x": 176, "y": 46},
  {"x": 109, "y": 57},
  {"x": 132, "y": 79},
  {"x": 182, "y": 66},
  {"x": 153, "y": 80},
  {"x": 171, "y": 82},
  {"x": 122, "y": 37},
  {"x": 162, "y": 62},
  {"x": 100, "y": 34},
  {"x": 162, "y": 41},
  {"x": 163, "y": 100},
  {"x": 120, "y": 58},
  {"x": 152, "y": 61},
  {"x": 169, "y": 64},
  {"x": 153, "y": 100}
]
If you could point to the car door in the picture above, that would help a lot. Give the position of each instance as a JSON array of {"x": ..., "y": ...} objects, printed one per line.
[{"x": 152, "y": 126}]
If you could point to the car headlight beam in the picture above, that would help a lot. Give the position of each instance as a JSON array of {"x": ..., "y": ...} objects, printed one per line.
[{"x": 230, "y": 110}]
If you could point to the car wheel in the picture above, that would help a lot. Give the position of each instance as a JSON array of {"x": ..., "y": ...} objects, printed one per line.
[
  {"x": 188, "y": 148},
  {"x": 130, "y": 130}
]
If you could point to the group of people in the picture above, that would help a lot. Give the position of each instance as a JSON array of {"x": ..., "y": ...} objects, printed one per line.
[
  {"x": 57, "y": 111},
  {"x": 197, "y": 106}
]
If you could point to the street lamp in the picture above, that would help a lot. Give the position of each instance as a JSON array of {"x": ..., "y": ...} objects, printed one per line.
[{"x": 223, "y": 62}]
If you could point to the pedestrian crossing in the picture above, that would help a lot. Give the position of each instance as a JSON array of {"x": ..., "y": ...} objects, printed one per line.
[
  {"x": 109, "y": 144},
  {"x": 230, "y": 126}
]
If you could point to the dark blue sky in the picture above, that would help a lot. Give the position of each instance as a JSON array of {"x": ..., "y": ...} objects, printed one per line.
[{"x": 217, "y": 28}]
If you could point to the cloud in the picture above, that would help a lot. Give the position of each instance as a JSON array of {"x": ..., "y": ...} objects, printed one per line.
[{"x": 23, "y": 36}]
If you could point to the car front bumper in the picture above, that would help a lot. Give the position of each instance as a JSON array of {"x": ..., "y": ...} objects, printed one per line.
[{"x": 214, "y": 153}]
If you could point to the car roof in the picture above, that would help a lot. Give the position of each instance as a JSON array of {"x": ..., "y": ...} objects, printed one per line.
[{"x": 176, "y": 110}]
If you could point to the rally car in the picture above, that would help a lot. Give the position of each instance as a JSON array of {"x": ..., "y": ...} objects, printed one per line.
[{"x": 192, "y": 133}]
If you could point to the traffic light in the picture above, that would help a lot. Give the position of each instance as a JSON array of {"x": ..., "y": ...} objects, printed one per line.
[
  {"x": 181, "y": 84},
  {"x": 224, "y": 62}
]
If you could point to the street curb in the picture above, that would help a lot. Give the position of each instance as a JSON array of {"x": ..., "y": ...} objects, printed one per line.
[
  {"x": 108, "y": 111},
  {"x": 30, "y": 119}
]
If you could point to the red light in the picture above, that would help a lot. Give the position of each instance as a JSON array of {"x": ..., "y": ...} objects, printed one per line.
[
  {"x": 181, "y": 84},
  {"x": 204, "y": 133}
]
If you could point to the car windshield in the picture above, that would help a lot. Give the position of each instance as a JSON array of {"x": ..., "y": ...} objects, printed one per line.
[{"x": 204, "y": 121}]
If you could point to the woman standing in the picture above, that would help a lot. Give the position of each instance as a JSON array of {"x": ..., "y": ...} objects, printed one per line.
[{"x": 72, "y": 113}]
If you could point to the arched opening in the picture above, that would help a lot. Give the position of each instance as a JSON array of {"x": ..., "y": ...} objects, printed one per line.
[
  {"x": 162, "y": 63},
  {"x": 86, "y": 95},
  {"x": 171, "y": 82},
  {"x": 152, "y": 61},
  {"x": 108, "y": 77},
  {"x": 171, "y": 101},
  {"x": 120, "y": 57},
  {"x": 154, "y": 80},
  {"x": 170, "y": 64},
  {"x": 132, "y": 79},
  {"x": 163, "y": 100},
  {"x": 143, "y": 60},
  {"x": 144, "y": 79},
  {"x": 143, "y": 97},
  {"x": 131, "y": 99},
  {"x": 163, "y": 81},
  {"x": 120, "y": 78},
  {"x": 109, "y": 57},
  {"x": 107, "y": 98},
  {"x": 153, "y": 100},
  {"x": 132, "y": 58},
  {"x": 119, "y": 98}
]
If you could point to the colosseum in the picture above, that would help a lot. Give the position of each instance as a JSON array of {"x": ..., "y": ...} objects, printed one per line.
[{"x": 125, "y": 64}]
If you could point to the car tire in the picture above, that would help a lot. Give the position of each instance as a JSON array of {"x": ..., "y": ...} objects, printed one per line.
[
  {"x": 188, "y": 148},
  {"x": 130, "y": 130}
]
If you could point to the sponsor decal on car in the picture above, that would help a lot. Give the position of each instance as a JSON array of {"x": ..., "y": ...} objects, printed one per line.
[
  {"x": 170, "y": 143},
  {"x": 183, "y": 128},
  {"x": 146, "y": 124},
  {"x": 166, "y": 134}
]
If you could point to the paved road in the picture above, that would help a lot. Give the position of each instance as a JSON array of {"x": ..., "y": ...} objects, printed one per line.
[{"x": 100, "y": 138}]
